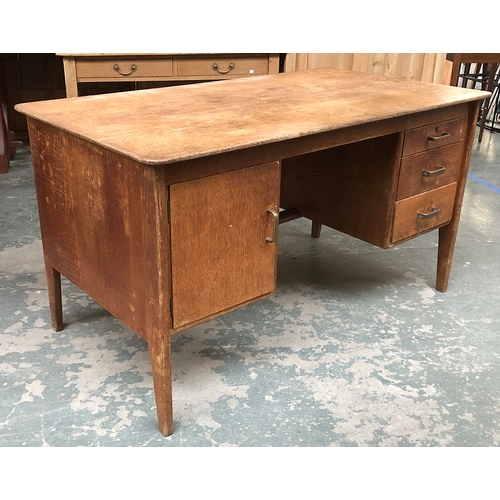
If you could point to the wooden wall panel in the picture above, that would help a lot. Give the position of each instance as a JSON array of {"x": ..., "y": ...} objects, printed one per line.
[{"x": 432, "y": 68}]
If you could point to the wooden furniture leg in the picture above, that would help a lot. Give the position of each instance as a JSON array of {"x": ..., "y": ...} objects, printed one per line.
[
  {"x": 315, "y": 229},
  {"x": 8, "y": 144},
  {"x": 70, "y": 77},
  {"x": 446, "y": 246},
  {"x": 448, "y": 233},
  {"x": 159, "y": 352},
  {"x": 55, "y": 297}
]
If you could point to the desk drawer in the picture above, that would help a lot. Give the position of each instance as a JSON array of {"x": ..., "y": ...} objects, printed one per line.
[
  {"x": 433, "y": 136},
  {"x": 123, "y": 69},
  {"x": 219, "y": 67},
  {"x": 425, "y": 171},
  {"x": 422, "y": 212}
]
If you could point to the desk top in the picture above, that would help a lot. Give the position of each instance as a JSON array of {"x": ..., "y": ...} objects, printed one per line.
[{"x": 172, "y": 124}]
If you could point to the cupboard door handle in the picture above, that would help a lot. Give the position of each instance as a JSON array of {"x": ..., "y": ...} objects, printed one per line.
[
  {"x": 276, "y": 222},
  {"x": 215, "y": 67},
  {"x": 116, "y": 67},
  {"x": 433, "y": 213},
  {"x": 431, "y": 173},
  {"x": 444, "y": 135}
]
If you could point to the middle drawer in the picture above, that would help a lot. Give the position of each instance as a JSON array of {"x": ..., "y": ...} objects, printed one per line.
[{"x": 429, "y": 170}]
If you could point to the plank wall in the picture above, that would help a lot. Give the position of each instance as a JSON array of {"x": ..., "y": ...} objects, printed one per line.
[{"x": 432, "y": 68}]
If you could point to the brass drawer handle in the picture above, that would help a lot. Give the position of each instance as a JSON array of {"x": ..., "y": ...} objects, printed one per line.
[
  {"x": 276, "y": 222},
  {"x": 433, "y": 213},
  {"x": 133, "y": 68},
  {"x": 432, "y": 173},
  {"x": 215, "y": 67},
  {"x": 444, "y": 135}
]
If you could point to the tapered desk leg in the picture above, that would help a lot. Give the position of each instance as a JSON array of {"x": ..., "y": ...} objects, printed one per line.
[
  {"x": 315, "y": 229},
  {"x": 448, "y": 233},
  {"x": 55, "y": 297},
  {"x": 447, "y": 238},
  {"x": 159, "y": 352}
]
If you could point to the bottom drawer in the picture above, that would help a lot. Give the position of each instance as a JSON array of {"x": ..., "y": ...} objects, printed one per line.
[{"x": 422, "y": 212}]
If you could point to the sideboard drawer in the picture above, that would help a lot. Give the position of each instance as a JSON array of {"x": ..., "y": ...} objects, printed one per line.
[
  {"x": 425, "y": 171},
  {"x": 433, "y": 136},
  {"x": 422, "y": 212},
  {"x": 223, "y": 66},
  {"x": 123, "y": 69}
]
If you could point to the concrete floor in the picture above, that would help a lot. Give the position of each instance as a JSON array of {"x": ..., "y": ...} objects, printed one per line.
[{"x": 355, "y": 349}]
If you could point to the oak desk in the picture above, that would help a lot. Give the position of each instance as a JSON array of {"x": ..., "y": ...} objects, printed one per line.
[{"x": 163, "y": 204}]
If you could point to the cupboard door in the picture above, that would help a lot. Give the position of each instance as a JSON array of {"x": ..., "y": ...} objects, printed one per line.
[{"x": 223, "y": 241}]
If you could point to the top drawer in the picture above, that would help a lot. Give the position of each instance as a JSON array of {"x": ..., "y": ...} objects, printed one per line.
[
  {"x": 123, "y": 69},
  {"x": 218, "y": 67},
  {"x": 433, "y": 136}
]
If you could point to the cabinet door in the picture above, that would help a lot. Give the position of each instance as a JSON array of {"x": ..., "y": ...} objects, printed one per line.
[{"x": 222, "y": 246}]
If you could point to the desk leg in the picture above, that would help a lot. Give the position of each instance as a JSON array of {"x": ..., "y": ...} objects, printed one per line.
[
  {"x": 159, "y": 352},
  {"x": 55, "y": 297},
  {"x": 448, "y": 233},
  {"x": 70, "y": 77},
  {"x": 315, "y": 229},
  {"x": 447, "y": 238}
]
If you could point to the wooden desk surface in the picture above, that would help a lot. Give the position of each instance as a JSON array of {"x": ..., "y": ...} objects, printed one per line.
[{"x": 167, "y": 125}]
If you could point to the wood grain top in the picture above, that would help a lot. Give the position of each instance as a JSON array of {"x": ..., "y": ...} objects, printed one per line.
[{"x": 172, "y": 124}]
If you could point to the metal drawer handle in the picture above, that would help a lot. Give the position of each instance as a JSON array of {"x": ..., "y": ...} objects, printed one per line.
[
  {"x": 433, "y": 213},
  {"x": 444, "y": 135},
  {"x": 133, "y": 68},
  {"x": 215, "y": 66},
  {"x": 432, "y": 173},
  {"x": 276, "y": 222}
]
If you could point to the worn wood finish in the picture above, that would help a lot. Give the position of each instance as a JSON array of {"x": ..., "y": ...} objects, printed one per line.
[
  {"x": 309, "y": 103},
  {"x": 448, "y": 233},
  {"x": 108, "y": 167},
  {"x": 103, "y": 223},
  {"x": 428, "y": 170},
  {"x": 220, "y": 256},
  {"x": 434, "y": 135},
  {"x": 415, "y": 215}
]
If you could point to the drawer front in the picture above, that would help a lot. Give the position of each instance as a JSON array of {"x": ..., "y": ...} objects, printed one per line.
[
  {"x": 223, "y": 67},
  {"x": 425, "y": 171},
  {"x": 124, "y": 69},
  {"x": 433, "y": 136},
  {"x": 422, "y": 212}
]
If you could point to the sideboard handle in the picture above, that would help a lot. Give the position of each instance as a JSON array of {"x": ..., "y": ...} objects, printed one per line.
[
  {"x": 439, "y": 137},
  {"x": 432, "y": 173},
  {"x": 276, "y": 222},
  {"x": 215, "y": 66},
  {"x": 433, "y": 213},
  {"x": 133, "y": 68}
]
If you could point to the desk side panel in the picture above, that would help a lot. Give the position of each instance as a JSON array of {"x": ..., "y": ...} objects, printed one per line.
[{"x": 103, "y": 225}]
